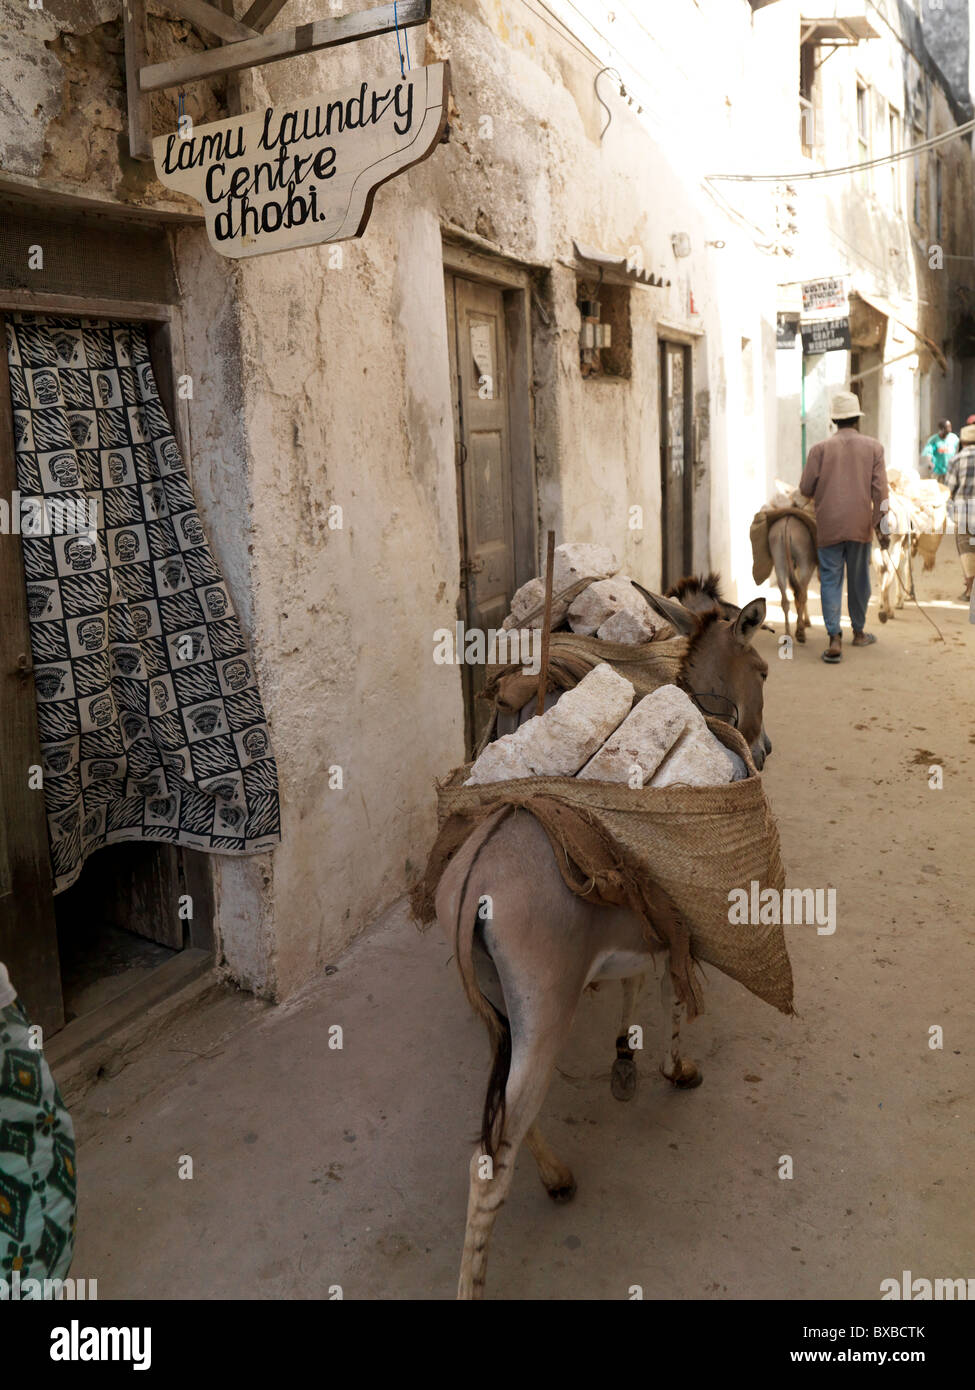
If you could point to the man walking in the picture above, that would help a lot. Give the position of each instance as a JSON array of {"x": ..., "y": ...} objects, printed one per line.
[
  {"x": 846, "y": 477},
  {"x": 961, "y": 487},
  {"x": 940, "y": 450}
]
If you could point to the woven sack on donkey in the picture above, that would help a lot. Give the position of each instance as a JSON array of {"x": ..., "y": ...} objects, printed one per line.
[
  {"x": 652, "y": 849},
  {"x": 646, "y": 665}
]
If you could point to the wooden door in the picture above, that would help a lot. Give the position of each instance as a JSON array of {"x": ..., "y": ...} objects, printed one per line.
[
  {"x": 675, "y": 463},
  {"x": 480, "y": 378}
]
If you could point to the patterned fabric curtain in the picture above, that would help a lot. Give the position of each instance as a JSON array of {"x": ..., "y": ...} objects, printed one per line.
[{"x": 151, "y": 723}]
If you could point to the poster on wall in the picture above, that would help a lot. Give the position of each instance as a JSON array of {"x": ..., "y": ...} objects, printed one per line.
[
  {"x": 292, "y": 176},
  {"x": 786, "y": 329},
  {"x": 825, "y": 320}
]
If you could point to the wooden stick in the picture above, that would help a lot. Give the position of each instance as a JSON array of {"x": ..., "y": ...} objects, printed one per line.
[
  {"x": 287, "y": 43},
  {"x": 213, "y": 20},
  {"x": 546, "y": 622},
  {"x": 136, "y": 57},
  {"x": 262, "y": 13}
]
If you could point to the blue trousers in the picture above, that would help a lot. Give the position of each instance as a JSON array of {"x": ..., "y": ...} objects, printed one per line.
[{"x": 855, "y": 556}]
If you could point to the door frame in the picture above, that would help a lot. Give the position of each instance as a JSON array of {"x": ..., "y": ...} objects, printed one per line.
[
  {"x": 667, "y": 340},
  {"x": 28, "y": 934},
  {"x": 514, "y": 283}
]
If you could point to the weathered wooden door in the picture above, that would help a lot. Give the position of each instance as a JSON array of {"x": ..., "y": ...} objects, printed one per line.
[
  {"x": 675, "y": 462},
  {"x": 480, "y": 378}
]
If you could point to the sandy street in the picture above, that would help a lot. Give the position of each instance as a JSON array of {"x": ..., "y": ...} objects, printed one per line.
[{"x": 315, "y": 1167}]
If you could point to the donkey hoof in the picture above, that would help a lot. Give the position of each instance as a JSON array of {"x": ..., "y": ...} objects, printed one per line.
[
  {"x": 882, "y": 616},
  {"x": 800, "y": 634},
  {"x": 689, "y": 1076},
  {"x": 622, "y": 1081},
  {"x": 563, "y": 1194}
]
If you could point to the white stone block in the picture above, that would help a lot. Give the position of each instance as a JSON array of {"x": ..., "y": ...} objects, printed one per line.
[
  {"x": 597, "y": 604},
  {"x": 631, "y": 626},
  {"x": 575, "y": 561},
  {"x": 558, "y": 742},
  {"x": 643, "y": 740},
  {"x": 529, "y": 597},
  {"x": 697, "y": 759}
]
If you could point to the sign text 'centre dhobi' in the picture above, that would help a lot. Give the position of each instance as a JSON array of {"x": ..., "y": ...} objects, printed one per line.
[{"x": 295, "y": 176}]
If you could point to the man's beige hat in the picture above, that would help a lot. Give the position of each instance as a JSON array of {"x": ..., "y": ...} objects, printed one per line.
[
  {"x": 844, "y": 406},
  {"x": 968, "y": 434}
]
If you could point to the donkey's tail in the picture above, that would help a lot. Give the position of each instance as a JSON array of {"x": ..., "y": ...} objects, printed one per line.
[
  {"x": 790, "y": 560},
  {"x": 464, "y": 926}
]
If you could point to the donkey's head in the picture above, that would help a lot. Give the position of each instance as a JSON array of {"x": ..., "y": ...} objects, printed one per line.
[{"x": 722, "y": 670}]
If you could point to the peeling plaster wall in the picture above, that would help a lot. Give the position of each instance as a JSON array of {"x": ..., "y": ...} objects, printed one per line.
[
  {"x": 321, "y": 379},
  {"x": 63, "y": 116}
]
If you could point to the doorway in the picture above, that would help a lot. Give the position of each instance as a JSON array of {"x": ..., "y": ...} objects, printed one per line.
[
  {"x": 676, "y": 472},
  {"x": 132, "y": 906},
  {"x": 866, "y": 366},
  {"x": 135, "y": 906},
  {"x": 487, "y": 332}
]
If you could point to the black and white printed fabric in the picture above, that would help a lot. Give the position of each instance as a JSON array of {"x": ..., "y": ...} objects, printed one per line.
[{"x": 151, "y": 723}]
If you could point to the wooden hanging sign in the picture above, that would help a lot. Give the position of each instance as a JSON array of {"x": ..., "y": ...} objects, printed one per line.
[{"x": 295, "y": 176}]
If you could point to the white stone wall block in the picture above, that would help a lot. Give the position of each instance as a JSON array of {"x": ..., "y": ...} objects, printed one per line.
[
  {"x": 597, "y": 604},
  {"x": 643, "y": 739},
  {"x": 575, "y": 560},
  {"x": 696, "y": 760},
  {"x": 631, "y": 626},
  {"x": 529, "y": 597},
  {"x": 558, "y": 742}
]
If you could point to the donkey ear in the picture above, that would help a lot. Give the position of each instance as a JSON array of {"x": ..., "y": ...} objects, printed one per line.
[
  {"x": 749, "y": 620},
  {"x": 680, "y": 619}
]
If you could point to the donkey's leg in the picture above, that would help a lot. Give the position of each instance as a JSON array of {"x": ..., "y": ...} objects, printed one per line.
[
  {"x": 683, "y": 1074},
  {"x": 556, "y": 1176},
  {"x": 622, "y": 1081},
  {"x": 783, "y": 591},
  {"x": 802, "y": 620},
  {"x": 531, "y": 1073}
]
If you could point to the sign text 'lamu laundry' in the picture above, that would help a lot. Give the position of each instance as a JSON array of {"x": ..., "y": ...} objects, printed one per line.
[{"x": 294, "y": 176}]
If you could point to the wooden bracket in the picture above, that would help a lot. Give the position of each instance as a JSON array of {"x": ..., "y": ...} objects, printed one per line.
[
  {"x": 245, "y": 45},
  {"x": 220, "y": 22}
]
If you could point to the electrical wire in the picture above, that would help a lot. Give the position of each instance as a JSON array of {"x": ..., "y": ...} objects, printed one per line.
[{"x": 806, "y": 175}]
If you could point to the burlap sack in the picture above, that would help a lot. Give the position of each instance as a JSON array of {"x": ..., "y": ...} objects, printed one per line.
[
  {"x": 647, "y": 665},
  {"x": 697, "y": 843},
  {"x": 762, "y": 563},
  {"x": 761, "y": 555},
  {"x": 927, "y": 547}
]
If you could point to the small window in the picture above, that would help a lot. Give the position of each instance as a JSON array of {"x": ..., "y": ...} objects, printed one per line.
[
  {"x": 863, "y": 131},
  {"x": 939, "y": 170},
  {"x": 894, "y": 129},
  {"x": 918, "y": 136},
  {"x": 606, "y": 342},
  {"x": 807, "y": 104}
]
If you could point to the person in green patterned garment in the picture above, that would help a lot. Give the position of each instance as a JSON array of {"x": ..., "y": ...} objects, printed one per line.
[{"x": 38, "y": 1190}]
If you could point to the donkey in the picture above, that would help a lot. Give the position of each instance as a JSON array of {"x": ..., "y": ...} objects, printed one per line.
[
  {"x": 795, "y": 560},
  {"x": 524, "y": 970},
  {"x": 893, "y": 566}
]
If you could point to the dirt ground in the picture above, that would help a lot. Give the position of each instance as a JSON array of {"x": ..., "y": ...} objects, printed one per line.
[{"x": 316, "y": 1167}]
